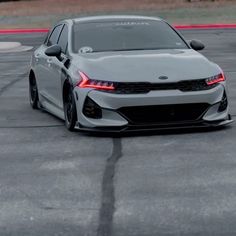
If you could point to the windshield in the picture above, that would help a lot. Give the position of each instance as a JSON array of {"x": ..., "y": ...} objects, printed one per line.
[{"x": 125, "y": 36}]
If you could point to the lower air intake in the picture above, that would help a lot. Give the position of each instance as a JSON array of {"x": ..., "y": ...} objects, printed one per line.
[
  {"x": 140, "y": 115},
  {"x": 223, "y": 104},
  {"x": 91, "y": 109}
]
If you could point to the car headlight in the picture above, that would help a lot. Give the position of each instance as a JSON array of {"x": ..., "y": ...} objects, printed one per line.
[
  {"x": 215, "y": 79},
  {"x": 86, "y": 82}
]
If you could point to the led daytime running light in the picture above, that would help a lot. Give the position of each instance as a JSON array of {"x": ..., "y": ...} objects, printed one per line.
[
  {"x": 96, "y": 84},
  {"x": 215, "y": 79}
]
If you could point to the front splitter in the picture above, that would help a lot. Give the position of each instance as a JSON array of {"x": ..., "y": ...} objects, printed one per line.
[{"x": 159, "y": 127}]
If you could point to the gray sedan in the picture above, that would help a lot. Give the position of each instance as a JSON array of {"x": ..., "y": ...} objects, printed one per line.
[{"x": 122, "y": 73}]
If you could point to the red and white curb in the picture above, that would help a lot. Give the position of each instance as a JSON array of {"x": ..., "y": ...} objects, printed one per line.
[
  {"x": 177, "y": 26},
  {"x": 23, "y": 31},
  {"x": 206, "y": 26}
]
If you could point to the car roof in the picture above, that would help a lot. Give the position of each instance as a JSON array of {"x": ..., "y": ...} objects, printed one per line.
[{"x": 113, "y": 18}]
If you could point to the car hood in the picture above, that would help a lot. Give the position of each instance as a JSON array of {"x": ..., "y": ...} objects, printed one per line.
[{"x": 147, "y": 66}]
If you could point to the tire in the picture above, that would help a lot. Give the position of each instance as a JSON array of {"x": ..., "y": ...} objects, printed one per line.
[
  {"x": 70, "y": 110},
  {"x": 33, "y": 93}
]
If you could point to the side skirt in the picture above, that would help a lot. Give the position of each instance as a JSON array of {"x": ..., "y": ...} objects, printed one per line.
[{"x": 51, "y": 108}]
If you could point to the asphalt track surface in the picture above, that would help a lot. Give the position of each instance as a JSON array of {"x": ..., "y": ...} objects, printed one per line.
[{"x": 53, "y": 182}]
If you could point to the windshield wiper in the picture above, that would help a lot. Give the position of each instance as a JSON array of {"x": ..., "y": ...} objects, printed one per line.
[
  {"x": 135, "y": 49},
  {"x": 128, "y": 49}
]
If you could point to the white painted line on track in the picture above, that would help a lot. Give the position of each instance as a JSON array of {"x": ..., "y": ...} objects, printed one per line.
[{"x": 8, "y": 47}]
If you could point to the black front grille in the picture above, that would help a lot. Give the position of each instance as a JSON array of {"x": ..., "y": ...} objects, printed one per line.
[
  {"x": 145, "y": 87},
  {"x": 140, "y": 115},
  {"x": 129, "y": 88}
]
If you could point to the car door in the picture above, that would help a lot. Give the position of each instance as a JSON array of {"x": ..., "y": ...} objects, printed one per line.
[
  {"x": 59, "y": 68},
  {"x": 48, "y": 65}
]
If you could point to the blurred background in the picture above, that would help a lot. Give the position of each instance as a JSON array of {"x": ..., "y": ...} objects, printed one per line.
[{"x": 44, "y": 13}]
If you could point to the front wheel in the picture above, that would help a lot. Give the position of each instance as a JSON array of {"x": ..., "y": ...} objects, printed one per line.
[
  {"x": 33, "y": 93},
  {"x": 70, "y": 111}
]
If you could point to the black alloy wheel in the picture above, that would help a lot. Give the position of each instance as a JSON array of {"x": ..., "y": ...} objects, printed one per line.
[
  {"x": 33, "y": 93},
  {"x": 70, "y": 110}
]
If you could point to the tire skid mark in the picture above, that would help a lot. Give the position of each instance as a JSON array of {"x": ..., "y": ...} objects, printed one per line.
[
  {"x": 30, "y": 126},
  {"x": 11, "y": 83},
  {"x": 15, "y": 61},
  {"x": 11, "y": 74},
  {"x": 107, "y": 209}
]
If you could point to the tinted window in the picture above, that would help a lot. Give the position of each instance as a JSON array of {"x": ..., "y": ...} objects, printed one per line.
[
  {"x": 63, "y": 40},
  {"x": 54, "y": 36},
  {"x": 46, "y": 38},
  {"x": 125, "y": 35}
]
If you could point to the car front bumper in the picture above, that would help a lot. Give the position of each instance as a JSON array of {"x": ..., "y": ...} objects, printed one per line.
[{"x": 113, "y": 120}]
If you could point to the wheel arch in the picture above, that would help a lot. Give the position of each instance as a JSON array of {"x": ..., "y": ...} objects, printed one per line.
[
  {"x": 67, "y": 92},
  {"x": 67, "y": 84}
]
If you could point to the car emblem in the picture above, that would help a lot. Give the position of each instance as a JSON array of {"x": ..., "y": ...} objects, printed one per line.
[{"x": 163, "y": 77}]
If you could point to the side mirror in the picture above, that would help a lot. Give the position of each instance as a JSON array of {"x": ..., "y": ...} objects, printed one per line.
[
  {"x": 197, "y": 45},
  {"x": 53, "y": 51}
]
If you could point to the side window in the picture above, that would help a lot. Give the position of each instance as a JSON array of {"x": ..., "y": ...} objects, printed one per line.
[
  {"x": 46, "y": 38},
  {"x": 54, "y": 35},
  {"x": 63, "y": 40}
]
